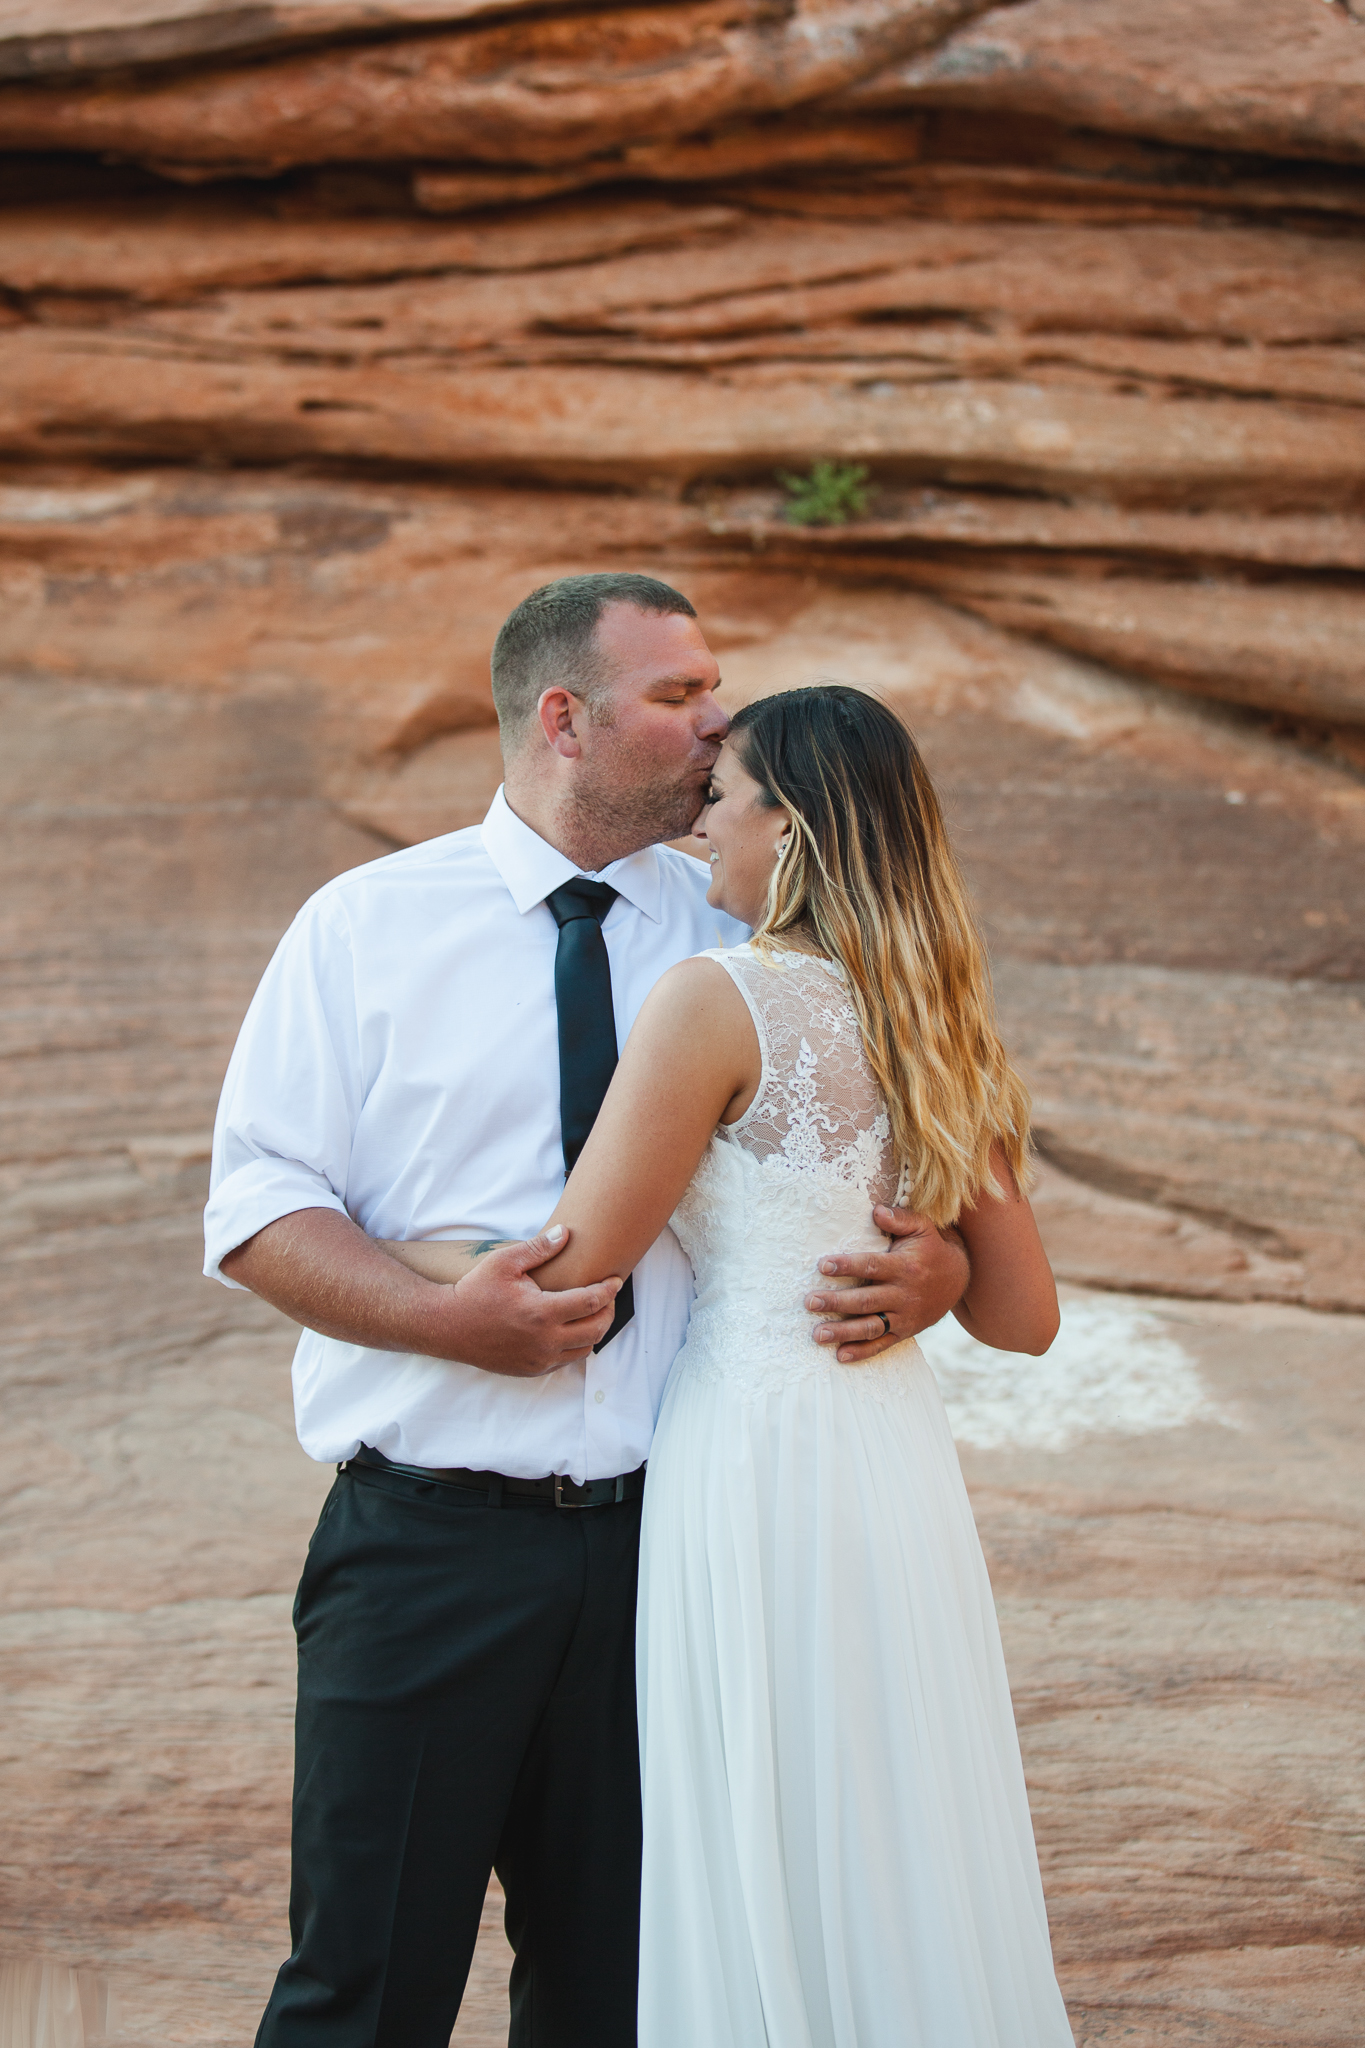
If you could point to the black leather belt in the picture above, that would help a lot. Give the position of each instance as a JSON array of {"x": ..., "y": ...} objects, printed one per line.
[{"x": 499, "y": 1491}]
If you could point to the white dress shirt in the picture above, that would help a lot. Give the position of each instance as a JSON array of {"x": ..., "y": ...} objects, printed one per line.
[{"x": 400, "y": 1064}]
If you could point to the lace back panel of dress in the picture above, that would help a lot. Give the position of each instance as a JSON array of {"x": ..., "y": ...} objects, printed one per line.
[
  {"x": 819, "y": 1107},
  {"x": 796, "y": 1177}
]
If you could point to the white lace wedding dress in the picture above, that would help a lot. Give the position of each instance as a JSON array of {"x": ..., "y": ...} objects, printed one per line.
[{"x": 838, "y": 1851}]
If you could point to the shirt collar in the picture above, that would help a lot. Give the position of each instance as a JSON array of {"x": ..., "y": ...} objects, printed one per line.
[{"x": 531, "y": 867}]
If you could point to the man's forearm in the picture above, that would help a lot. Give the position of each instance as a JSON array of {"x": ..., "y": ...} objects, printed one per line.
[
  {"x": 951, "y": 1278},
  {"x": 323, "y": 1270},
  {"x": 442, "y": 1258},
  {"x": 320, "y": 1268}
]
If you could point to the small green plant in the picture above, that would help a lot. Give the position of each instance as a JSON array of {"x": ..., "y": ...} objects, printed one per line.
[{"x": 831, "y": 495}]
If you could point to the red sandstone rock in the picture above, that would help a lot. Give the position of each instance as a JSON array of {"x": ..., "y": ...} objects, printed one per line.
[
  {"x": 169, "y": 249},
  {"x": 909, "y": 525},
  {"x": 1188, "y": 283},
  {"x": 771, "y": 148},
  {"x": 1280, "y": 78},
  {"x": 1106, "y": 428},
  {"x": 1274, "y": 76},
  {"x": 41, "y": 41},
  {"x": 545, "y": 92},
  {"x": 1293, "y": 648},
  {"x": 82, "y": 395},
  {"x": 377, "y": 603},
  {"x": 1002, "y": 353},
  {"x": 927, "y": 160}
]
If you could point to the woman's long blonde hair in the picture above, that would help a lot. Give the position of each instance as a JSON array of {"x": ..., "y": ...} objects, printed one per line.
[{"x": 870, "y": 875}]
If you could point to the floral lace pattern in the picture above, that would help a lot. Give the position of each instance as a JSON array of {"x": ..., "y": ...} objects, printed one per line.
[{"x": 795, "y": 1178}]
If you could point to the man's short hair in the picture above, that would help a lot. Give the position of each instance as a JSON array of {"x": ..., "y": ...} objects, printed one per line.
[{"x": 551, "y": 638}]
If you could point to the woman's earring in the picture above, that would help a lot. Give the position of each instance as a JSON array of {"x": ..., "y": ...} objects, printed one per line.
[{"x": 781, "y": 847}]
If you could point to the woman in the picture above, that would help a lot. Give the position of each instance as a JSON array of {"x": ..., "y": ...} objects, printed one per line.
[{"x": 838, "y": 1851}]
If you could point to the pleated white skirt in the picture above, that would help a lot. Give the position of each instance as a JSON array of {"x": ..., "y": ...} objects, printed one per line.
[{"x": 838, "y": 1850}]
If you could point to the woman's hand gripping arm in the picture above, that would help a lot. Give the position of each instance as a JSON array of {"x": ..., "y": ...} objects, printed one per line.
[{"x": 691, "y": 1060}]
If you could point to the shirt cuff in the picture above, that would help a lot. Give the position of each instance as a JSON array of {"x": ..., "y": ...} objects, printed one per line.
[{"x": 256, "y": 1194}]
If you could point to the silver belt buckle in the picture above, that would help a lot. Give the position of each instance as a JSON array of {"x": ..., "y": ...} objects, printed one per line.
[
  {"x": 560, "y": 1502},
  {"x": 607, "y": 1500}
]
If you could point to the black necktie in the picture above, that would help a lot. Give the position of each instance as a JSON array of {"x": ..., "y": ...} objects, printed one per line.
[{"x": 587, "y": 1028}]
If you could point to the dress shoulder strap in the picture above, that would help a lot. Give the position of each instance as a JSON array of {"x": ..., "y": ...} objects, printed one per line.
[{"x": 745, "y": 969}]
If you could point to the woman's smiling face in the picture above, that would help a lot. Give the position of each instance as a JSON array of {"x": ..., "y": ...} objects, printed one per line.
[{"x": 742, "y": 833}]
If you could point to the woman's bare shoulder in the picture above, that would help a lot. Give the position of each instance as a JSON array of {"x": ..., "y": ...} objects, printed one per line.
[
  {"x": 696, "y": 1013},
  {"x": 701, "y": 982}
]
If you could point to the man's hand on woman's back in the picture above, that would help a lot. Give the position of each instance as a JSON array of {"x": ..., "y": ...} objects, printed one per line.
[{"x": 894, "y": 1294}]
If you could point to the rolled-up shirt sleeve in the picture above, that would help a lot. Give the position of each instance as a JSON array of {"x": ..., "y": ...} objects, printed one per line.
[{"x": 287, "y": 1114}]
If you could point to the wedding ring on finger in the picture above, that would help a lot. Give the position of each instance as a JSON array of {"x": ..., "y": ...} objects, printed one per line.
[{"x": 885, "y": 1321}]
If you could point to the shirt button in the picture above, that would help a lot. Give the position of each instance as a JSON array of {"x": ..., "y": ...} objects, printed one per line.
[{"x": 599, "y": 1395}]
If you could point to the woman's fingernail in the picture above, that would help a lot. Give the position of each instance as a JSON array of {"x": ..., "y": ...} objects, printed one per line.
[
  {"x": 828, "y": 1266},
  {"x": 555, "y": 1232}
]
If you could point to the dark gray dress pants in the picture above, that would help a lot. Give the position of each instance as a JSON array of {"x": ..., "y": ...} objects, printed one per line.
[{"x": 466, "y": 1703}]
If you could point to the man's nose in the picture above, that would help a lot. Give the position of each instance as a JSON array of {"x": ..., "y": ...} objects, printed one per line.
[{"x": 713, "y": 723}]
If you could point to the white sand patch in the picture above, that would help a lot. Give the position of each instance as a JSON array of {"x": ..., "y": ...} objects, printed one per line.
[{"x": 1112, "y": 1368}]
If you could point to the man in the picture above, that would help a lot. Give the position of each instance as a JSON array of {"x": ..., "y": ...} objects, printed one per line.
[{"x": 423, "y": 1058}]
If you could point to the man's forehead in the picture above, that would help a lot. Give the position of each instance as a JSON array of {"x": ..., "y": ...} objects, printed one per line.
[
  {"x": 646, "y": 647},
  {"x": 630, "y": 621}
]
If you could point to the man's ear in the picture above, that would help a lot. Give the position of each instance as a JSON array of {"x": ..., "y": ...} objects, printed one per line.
[{"x": 557, "y": 710}]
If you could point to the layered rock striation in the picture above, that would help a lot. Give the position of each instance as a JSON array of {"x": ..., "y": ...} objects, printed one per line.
[{"x": 1090, "y": 316}]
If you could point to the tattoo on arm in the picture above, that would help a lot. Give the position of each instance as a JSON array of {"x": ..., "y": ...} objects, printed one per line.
[{"x": 489, "y": 1244}]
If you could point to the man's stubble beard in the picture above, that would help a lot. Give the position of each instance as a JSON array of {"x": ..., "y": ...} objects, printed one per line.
[{"x": 630, "y": 804}]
